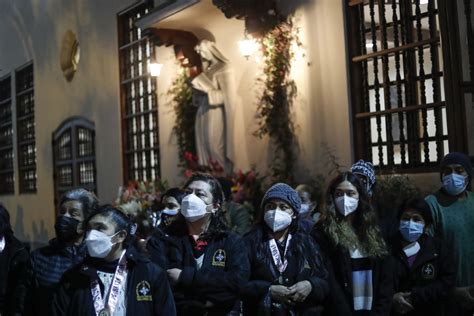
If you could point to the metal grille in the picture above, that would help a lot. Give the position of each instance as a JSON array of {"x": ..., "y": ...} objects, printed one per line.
[
  {"x": 138, "y": 98},
  {"x": 7, "y": 184},
  {"x": 25, "y": 115},
  {"x": 397, "y": 80},
  {"x": 74, "y": 156}
]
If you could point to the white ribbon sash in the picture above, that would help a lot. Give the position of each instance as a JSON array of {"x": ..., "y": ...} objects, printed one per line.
[
  {"x": 281, "y": 264},
  {"x": 119, "y": 279}
]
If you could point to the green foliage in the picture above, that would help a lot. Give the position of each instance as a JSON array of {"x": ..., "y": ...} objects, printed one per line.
[
  {"x": 185, "y": 111},
  {"x": 276, "y": 100}
]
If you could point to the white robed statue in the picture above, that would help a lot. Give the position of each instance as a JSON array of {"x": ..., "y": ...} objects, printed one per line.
[{"x": 213, "y": 95}]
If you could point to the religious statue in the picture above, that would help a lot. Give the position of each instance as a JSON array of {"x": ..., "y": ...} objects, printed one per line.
[{"x": 213, "y": 95}]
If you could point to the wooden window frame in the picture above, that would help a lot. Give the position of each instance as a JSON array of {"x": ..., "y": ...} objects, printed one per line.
[
  {"x": 72, "y": 126},
  {"x": 25, "y": 129},
  {"x": 7, "y": 174},
  {"x": 414, "y": 108},
  {"x": 141, "y": 151}
]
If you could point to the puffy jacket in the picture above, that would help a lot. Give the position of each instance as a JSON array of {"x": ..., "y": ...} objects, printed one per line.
[
  {"x": 224, "y": 272},
  {"x": 74, "y": 294},
  {"x": 49, "y": 263},
  {"x": 304, "y": 263},
  {"x": 15, "y": 277},
  {"x": 430, "y": 279}
]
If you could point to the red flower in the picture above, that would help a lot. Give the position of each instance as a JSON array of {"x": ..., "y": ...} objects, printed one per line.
[
  {"x": 188, "y": 156},
  {"x": 188, "y": 173}
]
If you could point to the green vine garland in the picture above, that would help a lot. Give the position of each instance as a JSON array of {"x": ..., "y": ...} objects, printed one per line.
[
  {"x": 185, "y": 111},
  {"x": 275, "y": 103}
]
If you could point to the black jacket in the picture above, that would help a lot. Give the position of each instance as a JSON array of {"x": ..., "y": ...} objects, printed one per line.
[
  {"x": 338, "y": 262},
  {"x": 164, "y": 249},
  {"x": 49, "y": 263},
  {"x": 223, "y": 274},
  {"x": 431, "y": 277},
  {"x": 304, "y": 263},
  {"x": 15, "y": 275},
  {"x": 74, "y": 294}
]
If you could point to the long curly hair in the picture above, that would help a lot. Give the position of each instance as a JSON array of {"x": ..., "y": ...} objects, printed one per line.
[
  {"x": 363, "y": 232},
  {"x": 217, "y": 225}
]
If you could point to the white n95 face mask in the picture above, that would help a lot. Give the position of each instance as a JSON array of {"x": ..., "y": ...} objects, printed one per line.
[
  {"x": 346, "y": 205},
  {"x": 277, "y": 220},
  {"x": 193, "y": 208},
  {"x": 99, "y": 244}
]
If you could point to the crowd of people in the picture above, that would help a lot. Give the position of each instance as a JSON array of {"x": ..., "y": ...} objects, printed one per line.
[{"x": 300, "y": 258}]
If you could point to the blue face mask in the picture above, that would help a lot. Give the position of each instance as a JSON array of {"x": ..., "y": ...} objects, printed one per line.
[
  {"x": 411, "y": 230},
  {"x": 454, "y": 184}
]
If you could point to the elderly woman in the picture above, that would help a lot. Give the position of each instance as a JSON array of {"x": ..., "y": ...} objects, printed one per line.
[{"x": 287, "y": 273}]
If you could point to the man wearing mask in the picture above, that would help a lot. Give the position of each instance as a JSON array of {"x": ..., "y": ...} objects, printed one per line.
[
  {"x": 114, "y": 279},
  {"x": 63, "y": 252},
  {"x": 453, "y": 220}
]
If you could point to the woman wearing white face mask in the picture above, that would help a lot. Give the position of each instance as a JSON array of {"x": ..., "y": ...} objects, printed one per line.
[
  {"x": 424, "y": 270},
  {"x": 210, "y": 265},
  {"x": 114, "y": 279},
  {"x": 354, "y": 250},
  {"x": 453, "y": 219},
  {"x": 287, "y": 273}
]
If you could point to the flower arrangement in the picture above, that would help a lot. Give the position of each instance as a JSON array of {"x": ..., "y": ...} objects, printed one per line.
[{"x": 140, "y": 197}]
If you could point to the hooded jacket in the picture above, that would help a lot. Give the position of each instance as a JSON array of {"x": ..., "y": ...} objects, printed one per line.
[{"x": 148, "y": 291}]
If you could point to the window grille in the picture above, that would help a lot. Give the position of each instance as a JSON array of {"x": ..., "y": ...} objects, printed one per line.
[
  {"x": 74, "y": 156},
  {"x": 138, "y": 99},
  {"x": 25, "y": 116},
  {"x": 397, "y": 83},
  {"x": 7, "y": 183}
]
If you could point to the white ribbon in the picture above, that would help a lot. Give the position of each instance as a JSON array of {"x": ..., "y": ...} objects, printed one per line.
[
  {"x": 119, "y": 279},
  {"x": 281, "y": 264}
]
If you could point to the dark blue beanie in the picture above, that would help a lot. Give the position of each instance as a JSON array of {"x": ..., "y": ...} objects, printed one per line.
[
  {"x": 285, "y": 193},
  {"x": 458, "y": 158}
]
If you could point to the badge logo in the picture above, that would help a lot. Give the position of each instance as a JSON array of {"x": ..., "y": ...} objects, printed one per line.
[
  {"x": 428, "y": 271},
  {"x": 219, "y": 258},
  {"x": 143, "y": 291}
]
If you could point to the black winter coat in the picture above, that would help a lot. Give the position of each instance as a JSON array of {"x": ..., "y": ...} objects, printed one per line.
[
  {"x": 430, "y": 279},
  {"x": 74, "y": 295},
  {"x": 15, "y": 275},
  {"x": 304, "y": 263},
  {"x": 338, "y": 262},
  {"x": 224, "y": 272}
]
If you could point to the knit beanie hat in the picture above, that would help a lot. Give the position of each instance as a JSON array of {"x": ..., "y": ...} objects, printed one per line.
[
  {"x": 458, "y": 158},
  {"x": 285, "y": 193},
  {"x": 367, "y": 169}
]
